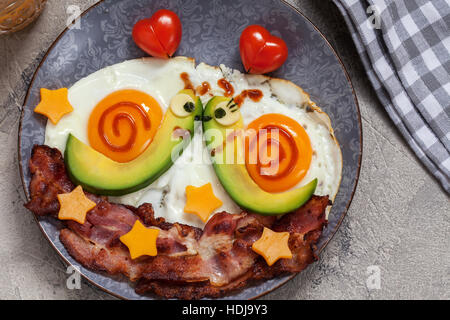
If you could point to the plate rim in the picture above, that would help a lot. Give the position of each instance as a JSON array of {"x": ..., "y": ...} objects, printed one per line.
[{"x": 288, "y": 278}]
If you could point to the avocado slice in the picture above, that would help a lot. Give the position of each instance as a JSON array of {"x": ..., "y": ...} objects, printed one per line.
[
  {"x": 99, "y": 174},
  {"x": 234, "y": 176}
]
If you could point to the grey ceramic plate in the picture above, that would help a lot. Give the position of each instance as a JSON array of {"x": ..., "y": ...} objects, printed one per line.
[{"x": 211, "y": 30}]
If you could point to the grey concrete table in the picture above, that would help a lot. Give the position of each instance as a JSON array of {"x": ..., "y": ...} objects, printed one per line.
[{"x": 398, "y": 226}]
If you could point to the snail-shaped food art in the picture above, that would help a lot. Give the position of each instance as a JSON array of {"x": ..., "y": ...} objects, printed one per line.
[
  {"x": 122, "y": 129},
  {"x": 226, "y": 140}
]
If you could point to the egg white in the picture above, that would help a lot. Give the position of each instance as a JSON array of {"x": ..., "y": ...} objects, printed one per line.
[{"x": 160, "y": 79}]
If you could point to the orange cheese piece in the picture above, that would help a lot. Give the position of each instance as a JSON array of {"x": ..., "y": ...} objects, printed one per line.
[
  {"x": 54, "y": 104},
  {"x": 201, "y": 201},
  {"x": 273, "y": 246},
  {"x": 74, "y": 205},
  {"x": 141, "y": 241}
]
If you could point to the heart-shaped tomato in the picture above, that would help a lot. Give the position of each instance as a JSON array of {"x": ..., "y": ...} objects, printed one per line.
[
  {"x": 159, "y": 35},
  {"x": 261, "y": 52}
]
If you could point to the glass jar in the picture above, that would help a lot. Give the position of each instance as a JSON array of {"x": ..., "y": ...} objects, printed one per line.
[{"x": 17, "y": 14}]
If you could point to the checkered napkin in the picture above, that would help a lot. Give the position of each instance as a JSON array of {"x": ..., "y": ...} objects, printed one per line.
[{"x": 405, "y": 48}]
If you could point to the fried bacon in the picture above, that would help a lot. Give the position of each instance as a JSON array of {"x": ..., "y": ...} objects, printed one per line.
[{"x": 191, "y": 263}]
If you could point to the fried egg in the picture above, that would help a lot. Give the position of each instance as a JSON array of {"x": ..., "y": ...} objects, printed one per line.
[
  {"x": 151, "y": 76},
  {"x": 160, "y": 79}
]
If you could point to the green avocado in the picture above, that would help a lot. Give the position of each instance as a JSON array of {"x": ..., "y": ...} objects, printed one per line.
[
  {"x": 99, "y": 174},
  {"x": 234, "y": 176}
]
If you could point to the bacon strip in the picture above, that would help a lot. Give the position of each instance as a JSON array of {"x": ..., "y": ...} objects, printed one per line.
[{"x": 191, "y": 263}]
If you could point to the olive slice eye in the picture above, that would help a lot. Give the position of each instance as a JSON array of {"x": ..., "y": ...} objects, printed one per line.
[
  {"x": 182, "y": 105},
  {"x": 189, "y": 107},
  {"x": 226, "y": 113},
  {"x": 220, "y": 113}
]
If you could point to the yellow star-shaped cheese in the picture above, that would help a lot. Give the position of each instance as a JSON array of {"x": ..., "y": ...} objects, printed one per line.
[
  {"x": 141, "y": 241},
  {"x": 54, "y": 104},
  {"x": 201, "y": 201},
  {"x": 273, "y": 246},
  {"x": 74, "y": 205}
]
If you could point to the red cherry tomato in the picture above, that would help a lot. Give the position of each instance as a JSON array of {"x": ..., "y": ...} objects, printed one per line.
[
  {"x": 261, "y": 52},
  {"x": 159, "y": 35}
]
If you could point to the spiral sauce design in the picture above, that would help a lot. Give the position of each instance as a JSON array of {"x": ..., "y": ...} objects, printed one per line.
[
  {"x": 278, "y": 152},
  {"x": 116, "y": 129},
  {"x": 123, "y": 124}
]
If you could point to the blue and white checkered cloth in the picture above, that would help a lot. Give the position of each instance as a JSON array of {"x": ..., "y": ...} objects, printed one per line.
[{"x": 405, "y": 48}]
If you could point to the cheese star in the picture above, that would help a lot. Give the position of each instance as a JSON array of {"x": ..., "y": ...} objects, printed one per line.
[
  {"x": 273, "y": 246},
  {"x": 74, "y": 205},
  {"x": 54, "y": 104},
  {"x": 201, "y": 201},
  {"x": 141, "y": 240}
]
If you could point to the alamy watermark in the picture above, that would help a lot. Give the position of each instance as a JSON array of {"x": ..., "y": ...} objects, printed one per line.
[
  {"x": 374, "y": 20},
  {"x": 373, "y": 281},
  {"x": 74, "y": 279},
  {"x": 73, "y": 19},
  {"x": 233, "y": 146}
]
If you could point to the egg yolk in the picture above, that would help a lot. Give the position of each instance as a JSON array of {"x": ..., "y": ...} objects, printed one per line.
[
  {"x": 278, "y": 153},
  {"x": 123, "y": 124}
]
